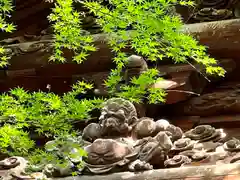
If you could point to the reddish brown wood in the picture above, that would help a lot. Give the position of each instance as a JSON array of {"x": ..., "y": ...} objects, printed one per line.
[
  {"x": 222, "y": 37},
  {"x": 216, "y": 172}
]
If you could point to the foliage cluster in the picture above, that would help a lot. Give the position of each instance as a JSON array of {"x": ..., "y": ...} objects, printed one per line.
[
  {"x": 68, "y": 33},
  {"x": 5, "y": 9},
  {"x": 155, "y": 34},
  {"x": 58, "y": 152},
  {"x": 47, "y": 114},
  {"x": 14, "y": 141}
]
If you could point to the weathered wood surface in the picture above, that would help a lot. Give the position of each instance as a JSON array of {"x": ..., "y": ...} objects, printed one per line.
[
  {"x": 182, "y": 84},
  {"x": 36, "y": 54},
  {"x": 222, "y": 37},
  {"x": 31, "y": 60},
  {"x": 229, "y": 122},
  {"x": 30, "y": 16},
  {"x": 216, "y": 172},
  {"x": 184, "y": 76},
  {"x": 216, "y": 35},
  {"x": 224, "y": 99},
  {"x": 30, "y": 67}
]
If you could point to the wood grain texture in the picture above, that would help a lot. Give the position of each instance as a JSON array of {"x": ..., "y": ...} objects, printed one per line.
[{"x": 216, "y": 172}]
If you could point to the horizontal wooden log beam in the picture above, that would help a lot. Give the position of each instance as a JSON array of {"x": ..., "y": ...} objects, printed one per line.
[
  {"x": 182, "y": 76},
  {"x": 183, "y": 81},
  {"x": 219, "y": 172},
  {"x": 219, "y": 36},
  {"x": 222, "y": 38},
  {"x": 205, "y": 32}
]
